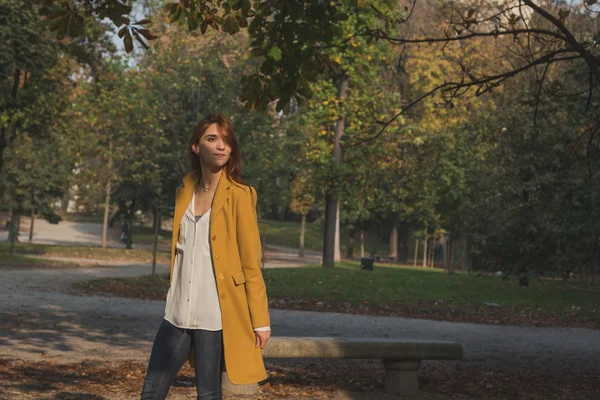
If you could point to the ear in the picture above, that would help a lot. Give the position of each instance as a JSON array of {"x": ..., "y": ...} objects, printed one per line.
[{"x": 195, "y": 148}]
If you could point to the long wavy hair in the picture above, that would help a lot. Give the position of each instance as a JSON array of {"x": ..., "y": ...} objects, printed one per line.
[{"x": 234, "y": 164}]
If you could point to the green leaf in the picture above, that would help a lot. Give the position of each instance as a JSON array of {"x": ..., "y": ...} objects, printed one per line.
[
  {"x": 147, "y": 34},
  {"x": 139, "y": 39},
  {"x": 145, "y": 21},
  {"x": 275, "y": 53},
  {"x": 128, "y": 42},
  {"x": 193, "y": 21},
  {"x": 230, "y": 24}
]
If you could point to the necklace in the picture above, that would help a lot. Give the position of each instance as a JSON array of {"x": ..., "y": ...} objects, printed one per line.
[{"x": 204, "y": 187}]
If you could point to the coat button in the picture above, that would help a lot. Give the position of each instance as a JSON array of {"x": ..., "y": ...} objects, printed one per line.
[
  {"x": 222, "y": 296},
  {"x": 216, "y": 257},
  {"x": 221, "y": 276},
  {"x": 214, "y": 237}
]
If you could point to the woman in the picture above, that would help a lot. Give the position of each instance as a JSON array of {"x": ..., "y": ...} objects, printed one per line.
[{"x": 217, "y": 309}]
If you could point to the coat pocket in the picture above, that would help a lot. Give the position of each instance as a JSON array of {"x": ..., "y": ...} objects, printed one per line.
[{"x": 239, "y": 278}]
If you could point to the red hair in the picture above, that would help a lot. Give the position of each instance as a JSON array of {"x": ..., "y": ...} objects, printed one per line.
[{"x": 234, "y": 164}]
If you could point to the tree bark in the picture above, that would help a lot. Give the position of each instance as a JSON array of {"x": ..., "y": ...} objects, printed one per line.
[
  {"x": 350, "y": 249},
  {"x": 130, "y": 215},
  {"x": 424, "y": 263},
  {"x": 415, "y": 252},
  {"x": 464, "y": 253},
  {"x": 450, "y": 253},
  {"x": 337, "y": 256},
  {"x": 4, "y": 139},
  {"x": 31, "y": 224},
  {"x": 107, "y": 198},
  {"x": 362, "y": 243},
  {"x": 155, "y": 246},
  {"x": 445, "y": 251},
  {"x": 15, "y": 221},
  {"x": 302, "y": 231},
  {"x": 394, "y": 242},
  {"x": 402, "y": 256},
  {"x": 331, "y": 198}
]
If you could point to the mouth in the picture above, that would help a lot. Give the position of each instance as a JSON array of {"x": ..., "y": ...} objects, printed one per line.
[{"x": 219, "y": 155}]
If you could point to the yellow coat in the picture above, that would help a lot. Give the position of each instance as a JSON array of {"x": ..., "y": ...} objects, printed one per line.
[{"x": 236, "y": 256}]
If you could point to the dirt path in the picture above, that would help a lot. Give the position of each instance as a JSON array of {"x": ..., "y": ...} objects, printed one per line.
[{"x": 43, "y": 318}]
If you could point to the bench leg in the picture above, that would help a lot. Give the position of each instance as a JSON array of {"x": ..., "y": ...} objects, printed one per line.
[
  {"x": 232, "y": 388},
  {"x": 401, "y": 376}
]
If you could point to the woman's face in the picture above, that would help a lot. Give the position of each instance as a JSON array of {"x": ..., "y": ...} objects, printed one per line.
[{"x": 212, "y": 148}]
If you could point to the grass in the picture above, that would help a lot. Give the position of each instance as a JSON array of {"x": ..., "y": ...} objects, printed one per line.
[
  {"x": 22, "y": 249},
  {"x": 19, "y": 261},
  {"x": 285, "y": 233},
  {"x": 404, "y": 291},
  {"x": 145, "y": 235},
  {"x": 409, "y": 285}
]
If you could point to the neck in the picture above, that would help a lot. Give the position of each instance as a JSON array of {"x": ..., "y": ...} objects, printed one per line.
[{"x": 210, "y": 176}]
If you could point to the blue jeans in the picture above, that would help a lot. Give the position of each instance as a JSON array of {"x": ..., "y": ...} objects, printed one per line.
[{"x": 170, "y": 351}]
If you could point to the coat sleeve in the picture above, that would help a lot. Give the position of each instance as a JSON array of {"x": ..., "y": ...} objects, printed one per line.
[{"x": 250, "y": 251}]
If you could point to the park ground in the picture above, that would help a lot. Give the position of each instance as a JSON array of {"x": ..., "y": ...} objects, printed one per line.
[{"x": 78, "y": 323}]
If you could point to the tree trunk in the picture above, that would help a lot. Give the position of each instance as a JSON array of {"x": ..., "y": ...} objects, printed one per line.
[
  {"x": 415, "y": 252},
  {"x": 31, "y": 224},
  {"x": 445, "y": 253},
  {"x": 130, "y": 215},
  {"x": 424, "y": 263},
  {"x": 432, "y": 249},
  {"x": 155, "y": 246},
  {"x": 64, "y": 204},
  {"x": 302, "y": 231},
  {"x": 374, "y": 240},
  {"x": 4, "y": 134},
  {"x": 450, "y": 253},
  {"x": 350, "y": 249},
  {"x": 596, "y": 260},
  {"x": 329, "y": 244},
  {"x": 3, "y": 145},
  {"x": 15, "y": 221},
  {"x": 402, "y": 257},
  {"x": 394, "y": 242},
  {"x": 107, "y": 198},
  {"x": 362, "y": 243},
  {"x": 464, "y": 253},
  {"x": 329, "y": 239},
  {"x": 337, "y": 257}
]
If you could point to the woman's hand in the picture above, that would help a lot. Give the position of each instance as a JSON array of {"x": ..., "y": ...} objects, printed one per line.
[{"x": 262, "y": 337}]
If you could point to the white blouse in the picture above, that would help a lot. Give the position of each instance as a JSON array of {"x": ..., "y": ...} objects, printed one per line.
[{"x": 192, "y": 300}]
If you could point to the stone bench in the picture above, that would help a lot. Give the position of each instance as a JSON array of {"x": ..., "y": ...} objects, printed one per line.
[{"x": 401, "y": 357}]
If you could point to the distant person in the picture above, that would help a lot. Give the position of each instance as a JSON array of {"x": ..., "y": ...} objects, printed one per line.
[
  {"x": 124, "y": 232},
  {"x": 219, "y": 320}
]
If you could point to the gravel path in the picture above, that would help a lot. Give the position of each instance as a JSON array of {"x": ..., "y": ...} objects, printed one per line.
[{"x": 42, "y": 319}]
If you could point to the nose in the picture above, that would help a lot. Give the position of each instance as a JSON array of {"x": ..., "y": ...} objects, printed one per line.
[{"x": 221, "y": 144}]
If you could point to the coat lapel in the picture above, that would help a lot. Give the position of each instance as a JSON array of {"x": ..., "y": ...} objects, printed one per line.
[
  {"x": 184, "y": 194},
  {"x": 221, "y": 194}
]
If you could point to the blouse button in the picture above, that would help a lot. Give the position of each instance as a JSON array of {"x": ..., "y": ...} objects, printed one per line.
[
  {"x": 222, "y": 296},
  {"x": 214, "y": 237},
  {"x": 216, "y": 257},
  {"x": 221, "y": 276}
]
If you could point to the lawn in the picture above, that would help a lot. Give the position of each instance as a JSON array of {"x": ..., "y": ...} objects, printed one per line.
[
  {"x": 284, "y": 233},
  {"x": 20, "y": 261},
  {"x": 23, "y": 249},
  {"x": 405, "y": 291}
]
